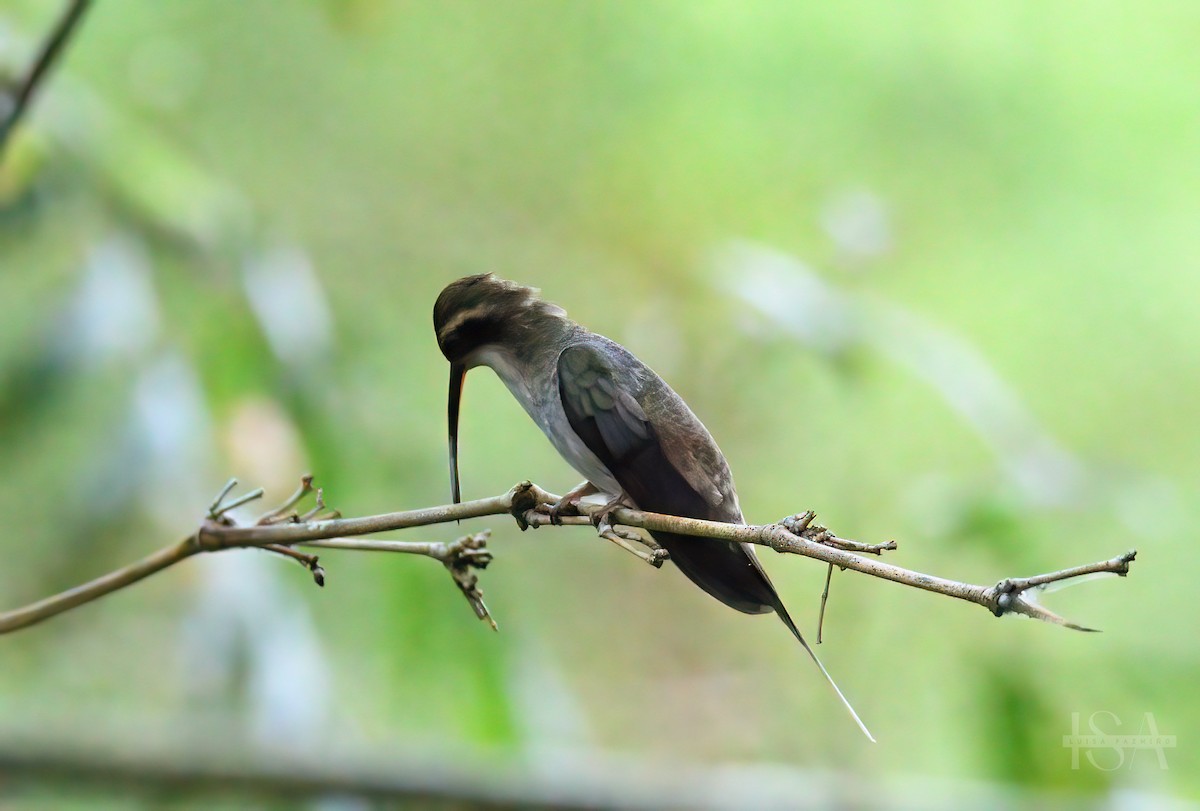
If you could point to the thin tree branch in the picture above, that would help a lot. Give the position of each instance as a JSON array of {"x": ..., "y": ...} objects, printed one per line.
[
  {"x": 459, "y": 557},
  {"x": 285, "y": 510},
  {"x": 426, "y": 548},
  {"x": 1004, "y": 597},
  {"x": 310, "y": 562},
  {"x": 824, "y": 599},
  {"x": 114, "y": 581},
  {"x": 23, "y": 93},
  {"x": 795, "y": 535}
]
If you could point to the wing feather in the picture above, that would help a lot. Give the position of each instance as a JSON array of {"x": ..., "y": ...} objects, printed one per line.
[{"x": 606, "y": 403}]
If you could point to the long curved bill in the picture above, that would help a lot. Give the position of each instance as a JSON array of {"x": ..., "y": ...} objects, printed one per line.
[{"x": 458, "y": 373}]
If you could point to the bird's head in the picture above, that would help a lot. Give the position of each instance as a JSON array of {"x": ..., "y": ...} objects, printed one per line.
[{"x": 477, "y": 313}]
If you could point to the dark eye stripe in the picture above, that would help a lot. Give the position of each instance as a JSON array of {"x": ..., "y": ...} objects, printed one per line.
[{"x": 463, "y": 335}]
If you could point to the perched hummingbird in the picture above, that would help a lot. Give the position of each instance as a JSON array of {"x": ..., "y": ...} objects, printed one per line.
[{"x": 615, "y": 421}]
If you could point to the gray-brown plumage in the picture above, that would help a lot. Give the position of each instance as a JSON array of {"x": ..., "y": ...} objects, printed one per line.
[{"x": 614, "y": 420}]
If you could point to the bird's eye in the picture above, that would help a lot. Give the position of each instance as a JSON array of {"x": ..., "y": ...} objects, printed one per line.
[{"x": 468, "y": 336}]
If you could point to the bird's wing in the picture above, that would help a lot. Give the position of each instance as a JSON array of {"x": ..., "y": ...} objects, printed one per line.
[{"x": 607, "y": 407}]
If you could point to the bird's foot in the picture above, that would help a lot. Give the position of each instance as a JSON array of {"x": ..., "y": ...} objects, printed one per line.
[
  {"x": 634, "y": 544},
  {"x": 569, "y": 503},
  {"x": 564, "y": 506},
  {"x": 627, "y": 538},
  {"x": 601, "y": 517}
]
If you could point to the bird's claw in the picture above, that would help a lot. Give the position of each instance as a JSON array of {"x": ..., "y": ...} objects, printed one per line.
[
  {"x": 628, "y": 539},
  {"x": 632, "y": 542},
  {"x": 564, "y": 506},
  {"x": 602, "y": 518},
  {"x": 568, "y": 504}
]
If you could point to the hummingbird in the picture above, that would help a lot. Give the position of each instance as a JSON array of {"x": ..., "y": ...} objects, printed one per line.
[{"x": 615, "y": 421}]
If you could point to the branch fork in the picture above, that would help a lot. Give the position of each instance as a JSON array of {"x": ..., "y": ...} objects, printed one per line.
[{"x": 1008, "y": 595}]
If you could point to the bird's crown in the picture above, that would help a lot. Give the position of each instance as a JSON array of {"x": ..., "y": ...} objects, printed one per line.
[{"x": 478, "y": 310}]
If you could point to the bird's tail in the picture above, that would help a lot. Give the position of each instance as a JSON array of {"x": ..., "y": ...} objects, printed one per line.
[{"x": 787, "y": 620}]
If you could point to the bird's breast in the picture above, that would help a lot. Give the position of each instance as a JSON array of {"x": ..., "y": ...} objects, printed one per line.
[{"x": 538, "y": 395}]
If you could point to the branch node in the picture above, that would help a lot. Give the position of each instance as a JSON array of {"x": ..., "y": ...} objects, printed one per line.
[
  {"x": 1122, "y": 562},
  {"x": 460, "y": 557},
  {"x": 1004, "y": 601},
  {"x": 801, "y": 525},
  {"x": 207, "y": 537},
  {"x": 798, "y": 523},
  {"x": 523, "y": 498}
]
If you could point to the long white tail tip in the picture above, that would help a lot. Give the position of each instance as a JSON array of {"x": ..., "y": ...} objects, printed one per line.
[{"x": 838, "y": 690}]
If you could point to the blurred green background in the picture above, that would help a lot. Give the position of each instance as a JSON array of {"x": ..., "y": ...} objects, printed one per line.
[{"x": 931, "y": 269}]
